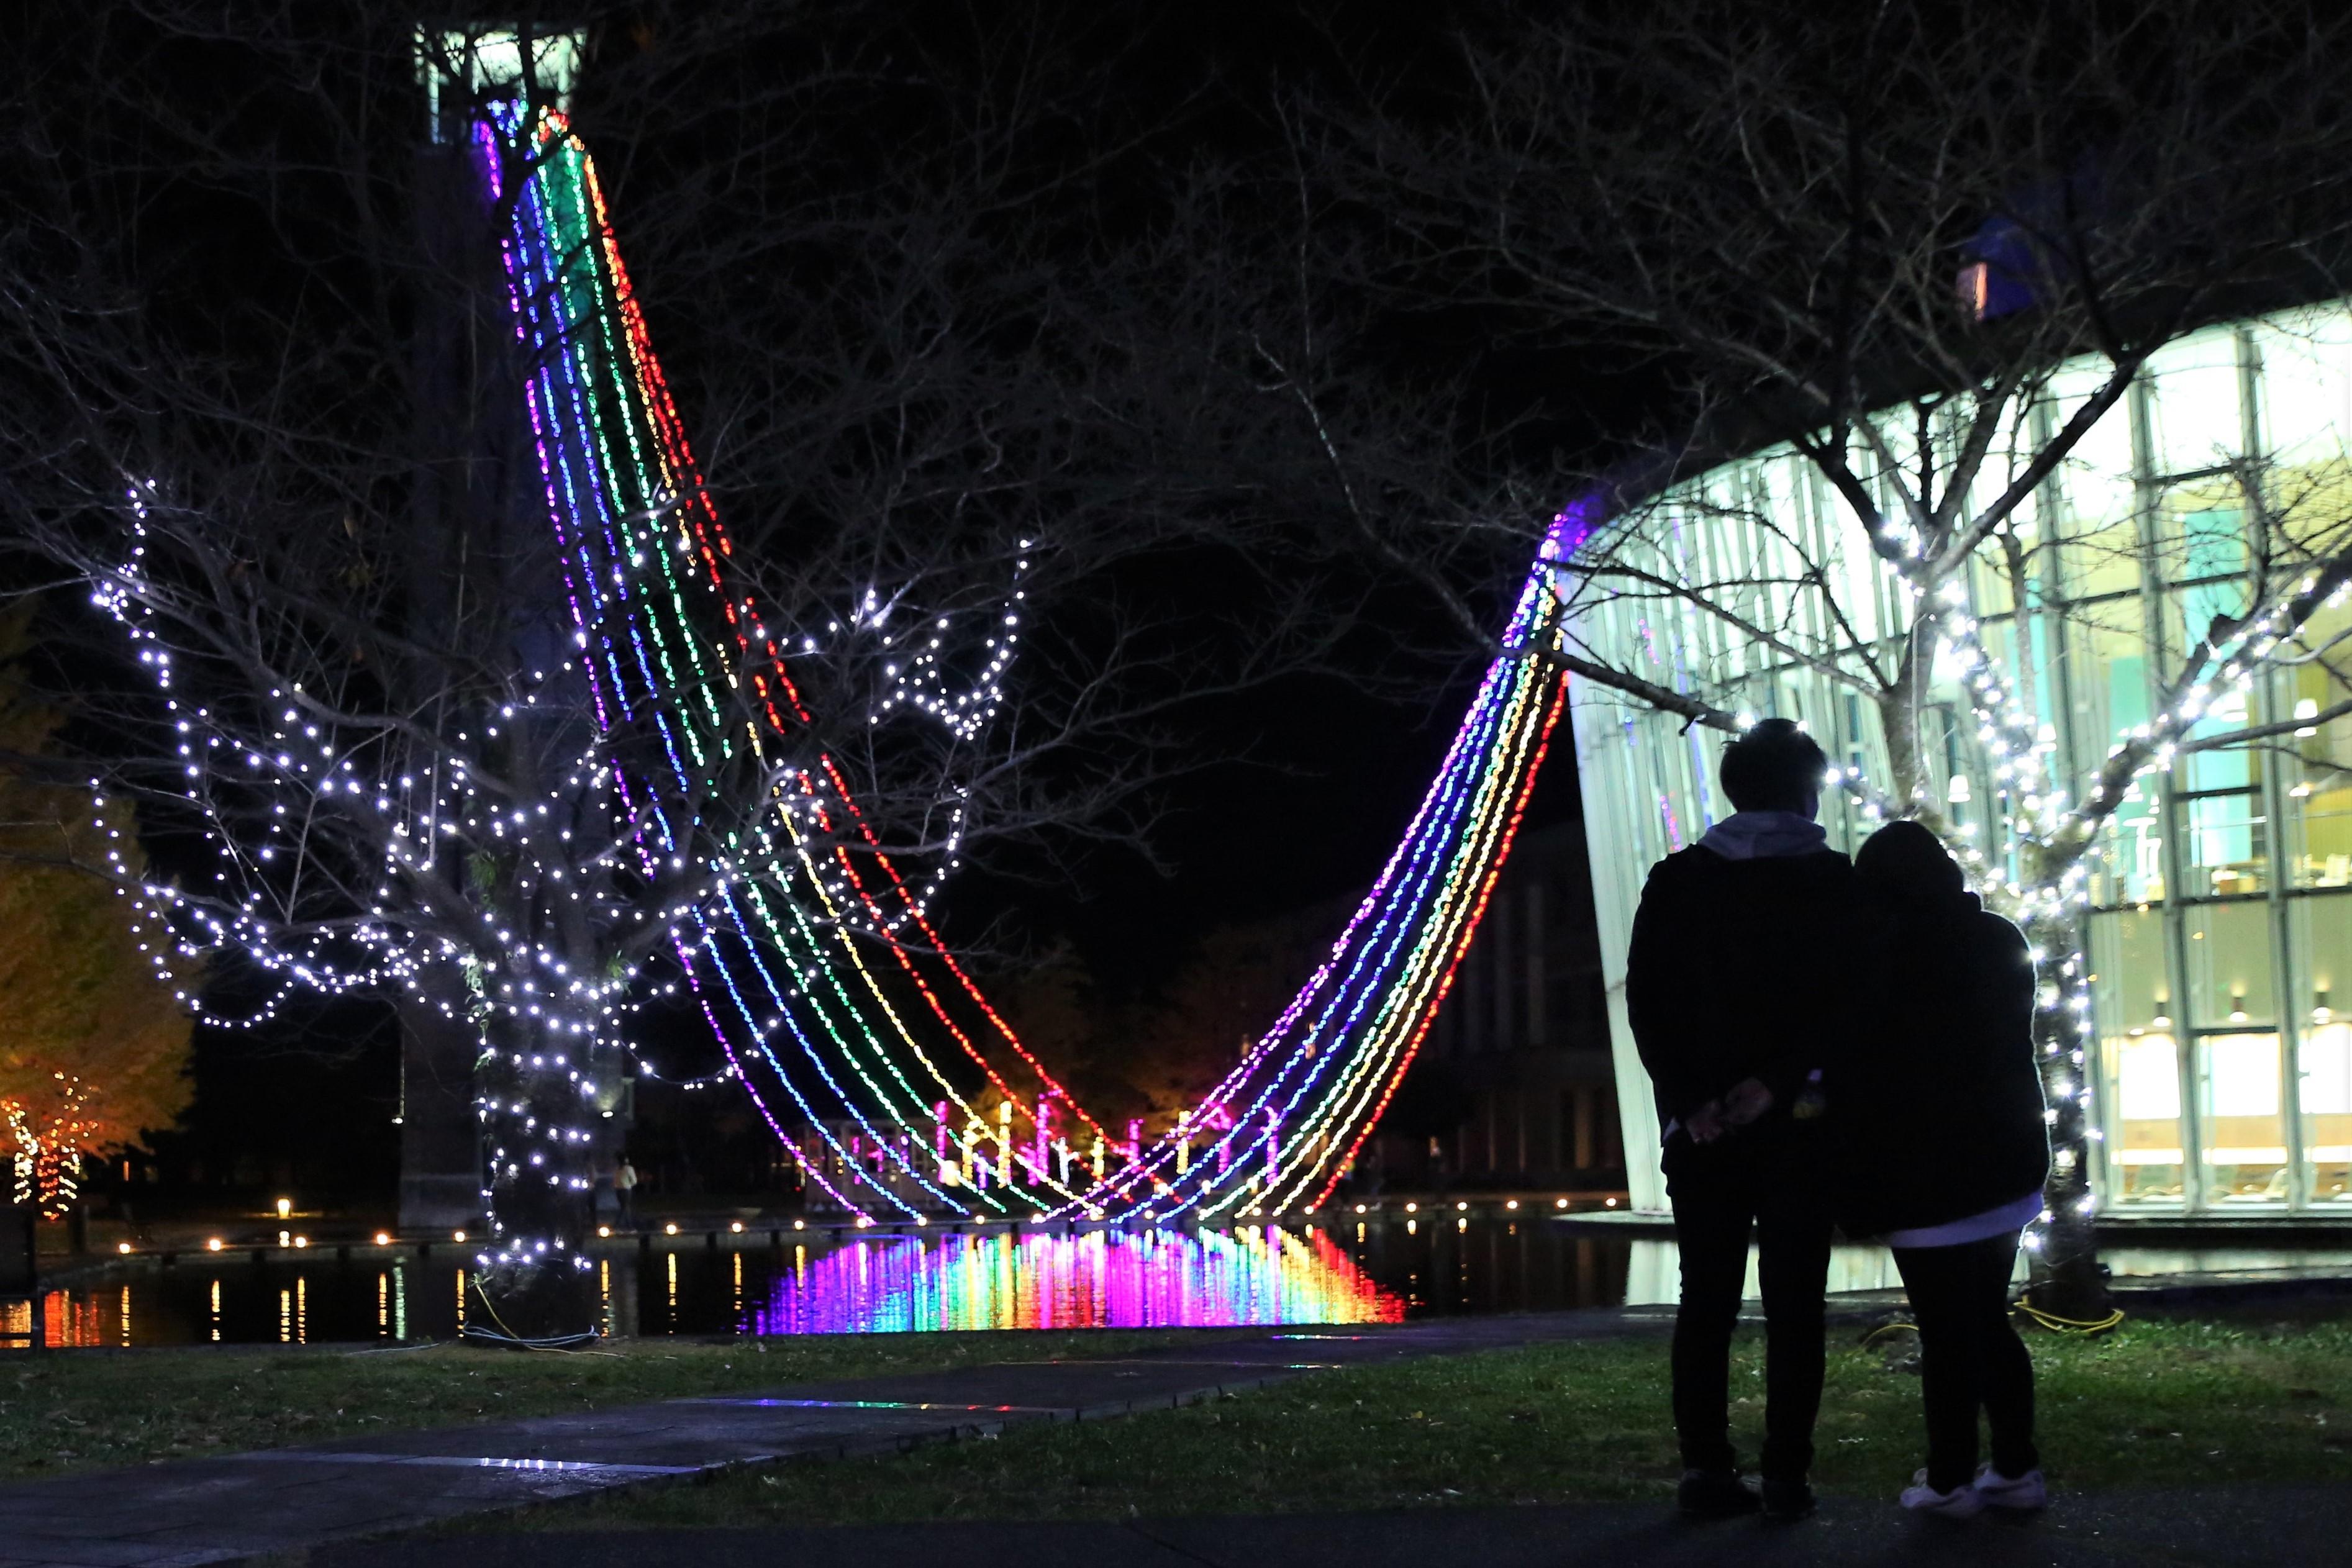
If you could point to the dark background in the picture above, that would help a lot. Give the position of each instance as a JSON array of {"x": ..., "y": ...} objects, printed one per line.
[{"x": 1308, "y": 781}]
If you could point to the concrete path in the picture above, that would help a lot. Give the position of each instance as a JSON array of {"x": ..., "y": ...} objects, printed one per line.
[
  {"x": 2222, "y": 1527},
  {"x": 227, "y": 1509}
]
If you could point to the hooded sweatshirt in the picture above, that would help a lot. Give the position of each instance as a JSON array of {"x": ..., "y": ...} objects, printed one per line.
[
  {"x": 1937, "y": 1112},
  {"x": 1740, "y": 966},
  {"x": 1761, "y": 835}
]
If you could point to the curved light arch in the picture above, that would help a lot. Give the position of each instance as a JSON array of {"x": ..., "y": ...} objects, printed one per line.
[{"x": 1272, "y": 1138}]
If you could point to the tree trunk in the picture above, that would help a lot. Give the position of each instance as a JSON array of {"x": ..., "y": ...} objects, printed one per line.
[
  {"x": 2066, "y": 1278},
  {"x": 440, "y": 1131},
  {"x": 1906, "y": 786},
  {"x": 537, "y": 1100}
]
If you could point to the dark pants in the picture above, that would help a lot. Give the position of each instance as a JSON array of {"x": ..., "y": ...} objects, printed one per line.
[
  {"x": 1768, "y": 1180},
  {"x": 1970, "y": 1357}
]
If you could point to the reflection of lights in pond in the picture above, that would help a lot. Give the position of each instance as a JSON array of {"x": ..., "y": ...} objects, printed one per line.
[{"x": 1102, "y": 1280}]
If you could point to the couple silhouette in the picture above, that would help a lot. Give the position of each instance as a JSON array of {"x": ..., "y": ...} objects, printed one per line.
[{"x": 1848, "y": 1044}]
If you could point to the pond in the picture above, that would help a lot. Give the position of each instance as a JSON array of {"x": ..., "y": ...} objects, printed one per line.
[
  {"x": 862, "y": 1284},
  {"x": 1357, "y": 1272}
]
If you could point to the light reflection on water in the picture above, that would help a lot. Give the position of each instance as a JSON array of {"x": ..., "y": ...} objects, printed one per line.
[
  {"x": 879, "y": 1285},
  {"x": 1100, "y": 1280},
  {"x": 1362, "y": 1271},
  {"x": 225, "y": 1302},
  {"x": 867, "y": 1284}
]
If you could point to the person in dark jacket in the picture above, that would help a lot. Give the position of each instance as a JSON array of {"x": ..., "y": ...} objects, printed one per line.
[
  {"x": 1944, "y": 1148},
  {"x": 1739, "y": 985}
]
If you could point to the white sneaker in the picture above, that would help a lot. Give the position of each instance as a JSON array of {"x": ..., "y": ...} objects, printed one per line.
[
  {"x": 2023, "y": 1491},
  {"x": 1959, "y": 1503}
]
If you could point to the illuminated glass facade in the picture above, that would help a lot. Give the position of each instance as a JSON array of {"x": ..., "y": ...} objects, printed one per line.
[{"x": 2221, "y": 936}]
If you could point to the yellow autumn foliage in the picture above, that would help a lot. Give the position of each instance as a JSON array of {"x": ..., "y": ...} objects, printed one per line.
[{"x": 90, "y": 1034}]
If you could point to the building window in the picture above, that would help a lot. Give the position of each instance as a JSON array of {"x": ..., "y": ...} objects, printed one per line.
[
  {"x": 2148, "y": 1158},
  {"x": 2326, "y": 1105},
  {"x": 2244, "y": 1120}
]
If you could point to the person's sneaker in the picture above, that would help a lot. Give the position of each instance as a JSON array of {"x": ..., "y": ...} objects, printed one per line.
[
  {"x": 1998, "y": 1491},
  {"x": 1715, "y": 1494},
  {"x": 1958, "y": 1503},
  {"x": 1788, "y": 1501}
]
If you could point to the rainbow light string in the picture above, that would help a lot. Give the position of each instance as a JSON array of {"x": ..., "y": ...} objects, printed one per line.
[{"x": 852, "y": 1039}]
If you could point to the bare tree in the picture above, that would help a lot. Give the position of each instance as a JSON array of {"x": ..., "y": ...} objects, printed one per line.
[
  {"x": 1922, "y": 262},
  {"x": 451, "y": 665}
]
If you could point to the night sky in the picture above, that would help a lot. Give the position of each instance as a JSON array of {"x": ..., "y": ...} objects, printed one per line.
[
  {"x": 1333, "y": 771},
  {"x": 1336, "y": 776}
]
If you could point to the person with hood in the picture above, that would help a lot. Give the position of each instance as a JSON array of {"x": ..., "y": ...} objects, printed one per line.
[
  {"x": 1739, "y": 986},
  {"x": 1943, "y": 1150}
]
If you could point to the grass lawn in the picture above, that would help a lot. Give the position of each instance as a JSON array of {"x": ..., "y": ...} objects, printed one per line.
[
  {"x": 75, "y": 1409},
  {"x": 2159, "y": 1403}
]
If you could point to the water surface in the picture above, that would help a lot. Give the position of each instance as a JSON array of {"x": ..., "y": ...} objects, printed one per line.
[
  {"x": 1359, "y": 1273},
  {"x": 1367, "y": 1271}
]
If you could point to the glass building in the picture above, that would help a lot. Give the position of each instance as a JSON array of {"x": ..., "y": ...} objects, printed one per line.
[{"x": 2220, "y": 940}]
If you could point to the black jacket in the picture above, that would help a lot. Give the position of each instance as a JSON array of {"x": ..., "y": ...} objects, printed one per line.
[
  {"x": 1740, "y": 969},
  {"x": 1938, "y": 1112}
]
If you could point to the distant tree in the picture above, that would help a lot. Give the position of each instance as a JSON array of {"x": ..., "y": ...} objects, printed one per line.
[
  {"x": 1201, "y": 1024},
  {"x": 1151, "y": 1057},
  {"x": 1060, "y": 1012},
  {"x": 94, "y": 1032}
]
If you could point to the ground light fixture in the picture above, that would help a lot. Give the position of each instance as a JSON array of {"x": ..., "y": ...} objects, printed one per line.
[
  {"x": 301, "y": 1241},
  {"x": 285, "y": 1209},
  {"x": 800, "y": 1225},
  {"x": 604, "y": 1230},
  {"x": 671, "y": 1229},
  {"x": 383, "y": 1239},
  {"x": 1461, "y": 1208},
  {"x": 1511, "y": 1203},
  {"x": 737, "y": 1228},
  {"x": 456, "y": 1236},
  {"x": 213, "y": 1244},
  {"x": 1413, "y": 1208},
  {"x": 123, "y": 1248},
  {"x": 1559, "y": 1203}
]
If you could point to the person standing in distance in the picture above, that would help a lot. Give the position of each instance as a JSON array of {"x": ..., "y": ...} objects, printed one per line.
[
  {"x": 1737, "y": 984},
  {"x": 624, "y": 1189}
]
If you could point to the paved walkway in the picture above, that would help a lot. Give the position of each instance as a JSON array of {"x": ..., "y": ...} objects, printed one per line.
[
  {"x": 279, "y": 1500},
  {"x": 2222, "y": 1527}
]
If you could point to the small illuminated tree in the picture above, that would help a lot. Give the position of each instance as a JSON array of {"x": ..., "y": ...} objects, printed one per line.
[{"x": 94, "y": 1024}]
